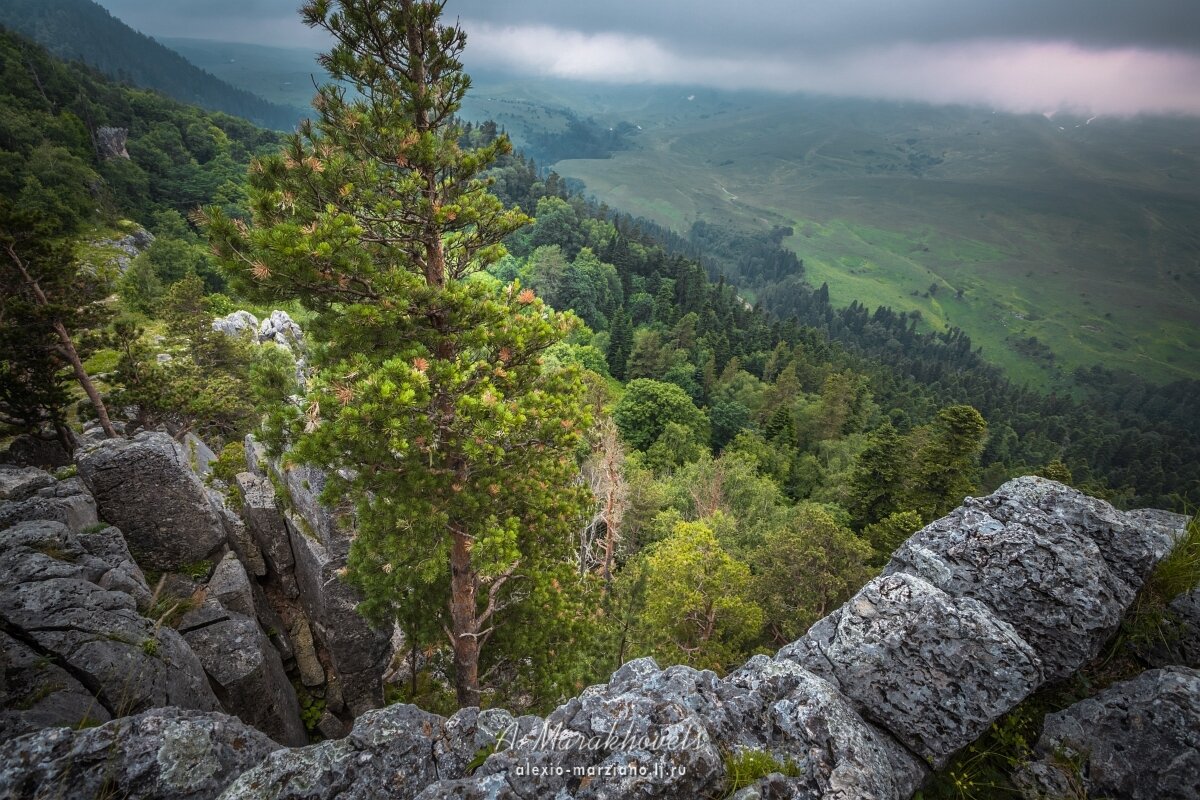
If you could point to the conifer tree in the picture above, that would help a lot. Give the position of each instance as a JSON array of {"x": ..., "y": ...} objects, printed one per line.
[{"x": 427, "y": 398}]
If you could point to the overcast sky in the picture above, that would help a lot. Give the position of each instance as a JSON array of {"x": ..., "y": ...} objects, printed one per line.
[{"x": 1093, "y": 56}]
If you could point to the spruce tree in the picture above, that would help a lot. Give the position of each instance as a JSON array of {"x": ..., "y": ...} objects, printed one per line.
[{"x": 427, "y": 398}]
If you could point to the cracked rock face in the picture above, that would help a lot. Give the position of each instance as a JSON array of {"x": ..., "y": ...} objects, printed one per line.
[
  {"x": 63, "y": 599},
  {"x": 146, "y": 488},
  {"x": 1137, "y": 740},
  {"x": 164, "y": 753},
  {"x": 392, "y": 752},
  {"x": 67, "y": 502}
]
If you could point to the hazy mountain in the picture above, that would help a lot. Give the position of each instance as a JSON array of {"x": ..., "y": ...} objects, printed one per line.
[{"x": 81, "y": 30}]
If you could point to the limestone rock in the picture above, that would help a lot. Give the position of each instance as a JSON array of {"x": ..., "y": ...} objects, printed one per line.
[
  {"x": 933, "y": 669},
  {"x": 67, "y": 502},
  {"x": 390, "y": 752},
  {"x": 51, "y": 601},
  {"x": 266, "y": 526},
  {"x": 230, "y": 586},
  {"x": 280, "y": 329},
  {"x": 110, "y": 143},
  {"x": 18, "y": 483},
  {"x": 1032, "y": 569},
  {"x": 146, "y": 488},
  {"x": 164, "y": 754},
  {"x": 1137, "y": 740},
  {"x": 37, "y": 693},
  {"x": 245, "y": 671},
  {"x": 237, "y": 324},
  {"x": 41, "y": 450}
]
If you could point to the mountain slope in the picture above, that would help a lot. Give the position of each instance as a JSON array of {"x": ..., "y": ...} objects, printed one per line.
[{"x": 80, "y": 30}]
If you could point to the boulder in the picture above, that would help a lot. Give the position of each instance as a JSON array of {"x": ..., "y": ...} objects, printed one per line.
[
  {"x": 391, "y": 752},
  {"x": 230, "y": 586},
  {"x": 1137, "y": 740},
  {"x": 933, "y": 669},
  {"x": 41, "y": 450},
  {"x": 66, "y": 501},
  {"x": 266, "y": 527},
  {"x": 164, "y": 754},
  {"x": 1032, "y": 567},
  {"x": 237, "y": 324},
  {"x": 280, "y": 329},
  {"x": 52, "y": 602},
  {"x": 37, "y": 693},
  {"x": 18, "y": 483},
  {"x": 146, "y": 488},
  {"x": 245, "y": 670},
  {"x": 238, "y": 535}
]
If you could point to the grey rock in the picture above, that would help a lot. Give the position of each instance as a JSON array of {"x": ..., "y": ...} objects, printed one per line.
[
  {"x": 933, "y": 669},
  {"x": 122, "y": 573},
  {"x": 245, "y": 671},
  {"x": 200, "y": 456},
  {"x": 280, "y": 329},
  {"x": 164, "y": 754},
  {"x": 1130, "y": 542},
  {"x": 36, "y": 693},
  {"x": 29, "y": 450},
  {"x": 67, "y": 502},
  {"x": 238, "y": 535},
  {"x": 1183, "y": 624},
  {"x": 230, "y": 586},
  {"x": 311, "y": 672},
  {"x": 266, "y": 526},
  {"x": 146, "y": 488},
  {"x": 51, "y": 601},
  {"x": 110, "y": 142},
  {"x": 18, "y": 483},
  {"x": 237, "y": 324},
  {"x": 389, "y": 753},
  {"x": 1046, "y": 578},
  {"x": 1137, "y": 740},
  {"x": 330, "y": 726}
]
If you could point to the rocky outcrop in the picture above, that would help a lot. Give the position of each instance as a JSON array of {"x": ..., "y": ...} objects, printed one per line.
[
  {"x": 318, "y": 539},
  {"x": 1137, "y": 740},
  {"x": 164, "y": 753},
  {"x": 280, "y": 329},
  {"x": 237, "y": 324},
  {"x": 245, "y": 670},
  {"x": 66, "y": 501},
  {"x": 72, "y": 601},
  {"x": 393, "y": 752},
  {"x": 973, "y": 613},
  {"x": 18, "y": 483},
  {"x": 265, "y": 523},
  {"x": 146, "y": 487},
  {"x": 110, "y": 143}
]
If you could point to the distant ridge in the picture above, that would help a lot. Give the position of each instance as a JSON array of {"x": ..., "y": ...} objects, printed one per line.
[{"x": 81, "y": 30}]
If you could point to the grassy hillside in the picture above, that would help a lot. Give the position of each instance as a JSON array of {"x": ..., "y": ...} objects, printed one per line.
[
  {"x": 80, "y": 30},
  {"x": 1081, "y": 235}
]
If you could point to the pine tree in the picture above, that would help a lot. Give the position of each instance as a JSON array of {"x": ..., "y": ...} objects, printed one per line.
[
  {"x": 428, "y": 401},
  {"x": 620, "y": 344}
]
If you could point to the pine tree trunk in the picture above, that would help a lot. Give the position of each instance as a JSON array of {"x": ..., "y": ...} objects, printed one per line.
[
  {"x": 68, "y": 349},
  {"x": 463, "y": 621}
]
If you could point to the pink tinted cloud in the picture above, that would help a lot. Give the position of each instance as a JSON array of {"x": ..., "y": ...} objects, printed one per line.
[{"x": 1019, "y": 76}]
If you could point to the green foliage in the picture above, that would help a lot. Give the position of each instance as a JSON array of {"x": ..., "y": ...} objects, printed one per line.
[
  {"x": 150, "y": 646},
  {"x": 806, "y": 568},
  {"x": 427, "y": 387},
  {"x": 946, "y": 462},
  {"x": 890, "y": 532},
  {"x": 698, "y": 603},
  {"x": 210, "y": 384},
  {"x": 649, "y": 406},
  {"x": 744, "y": 767}
]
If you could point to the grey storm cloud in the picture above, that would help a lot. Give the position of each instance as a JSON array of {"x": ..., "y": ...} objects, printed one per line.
[
  {"x": 1099, "y": 56},
  {"x": 812, "y": 25}
]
